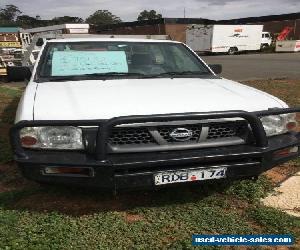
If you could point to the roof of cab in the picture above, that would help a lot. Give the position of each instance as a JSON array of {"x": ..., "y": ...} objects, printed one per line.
[{"x": 92, "y": 39}]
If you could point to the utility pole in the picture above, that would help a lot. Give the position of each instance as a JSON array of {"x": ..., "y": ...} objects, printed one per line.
[{"x": 184, "y": 12}]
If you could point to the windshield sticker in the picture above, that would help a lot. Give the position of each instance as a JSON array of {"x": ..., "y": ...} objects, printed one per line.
[{"x": 68, "y": 63}]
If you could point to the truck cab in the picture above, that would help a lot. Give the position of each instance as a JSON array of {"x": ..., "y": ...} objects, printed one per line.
[
  {"x": 133, "y": 113},
  {"x": 266, "y": 39}
]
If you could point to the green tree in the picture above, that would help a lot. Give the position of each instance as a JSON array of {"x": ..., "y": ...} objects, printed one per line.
[
  {"x": 9, "y": 13},
  {"x": 67, "y": 19},
  {"x": 149, "y": 15},
  {"x": 103, "y": 17},
  {"x": 26, "y": 21}
]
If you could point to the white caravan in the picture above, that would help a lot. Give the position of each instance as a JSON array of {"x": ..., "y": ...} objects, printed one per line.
[{"x": 224, "y": 38}]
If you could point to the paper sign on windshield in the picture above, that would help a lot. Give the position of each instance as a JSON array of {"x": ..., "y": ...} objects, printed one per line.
[{"x": 67, "y": 63}]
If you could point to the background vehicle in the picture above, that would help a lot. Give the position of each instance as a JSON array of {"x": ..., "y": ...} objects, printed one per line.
[
  {"x": 266, "y": 39},
  {"x": 224, "y": 38}
]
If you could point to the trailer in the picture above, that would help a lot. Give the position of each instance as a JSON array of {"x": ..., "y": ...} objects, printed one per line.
[{"x": 224, "y": 38}]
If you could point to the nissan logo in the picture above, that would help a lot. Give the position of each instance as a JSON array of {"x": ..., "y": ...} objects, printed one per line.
[{"x": 181, "y": 134}]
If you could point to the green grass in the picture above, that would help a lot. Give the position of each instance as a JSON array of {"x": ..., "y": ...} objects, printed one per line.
[
  {"x": 167, "y": 219},
  {"x": 250, "y": 190},
  {"x": 109, "y": 230},
  {"x": 163, "y": 226},
  {"x": 34, "y": 217},
  {"x": 9, "y": 98},
  {"x": 275, "y": 221},
  {"x": 10, "y": 92},
  {"x": 5, "y": 151}
]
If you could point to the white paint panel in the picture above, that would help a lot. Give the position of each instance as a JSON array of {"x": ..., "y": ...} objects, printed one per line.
[
  {"x": 96, "y": 99},
  {"x": 26, "y": 103}
]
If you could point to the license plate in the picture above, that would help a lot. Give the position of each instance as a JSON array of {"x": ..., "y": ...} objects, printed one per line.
[{"x": 188, "y": 175}]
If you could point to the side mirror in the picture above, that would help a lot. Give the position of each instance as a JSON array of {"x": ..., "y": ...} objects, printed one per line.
[
  {"x": 216, "y": 68},
  {"x": 40, "y": 42},
  {"x": 18, "y": 73}
]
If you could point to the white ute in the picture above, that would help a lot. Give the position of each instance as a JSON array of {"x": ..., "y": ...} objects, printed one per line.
[{"x": 129, "y": 113}]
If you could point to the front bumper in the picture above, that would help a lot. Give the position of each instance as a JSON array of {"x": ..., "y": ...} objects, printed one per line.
[{"x": 135, "y": 170}]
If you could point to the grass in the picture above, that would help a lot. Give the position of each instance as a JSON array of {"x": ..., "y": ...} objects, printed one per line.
[
  {"x": 110, "y": 230},
  {"x": 10, "y": 91},
  {"x": 275, "y": 221},
  {"x": 9, "y": 98},
  {"x": 5, "y": 151},
  {"x": 249, "y": 190},
  {"x": 37, "y": 217}
]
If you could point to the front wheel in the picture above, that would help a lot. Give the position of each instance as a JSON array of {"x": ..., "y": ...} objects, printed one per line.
[
  {"x": 264, "y": 46},
  {"x": 232, "y": 51}
]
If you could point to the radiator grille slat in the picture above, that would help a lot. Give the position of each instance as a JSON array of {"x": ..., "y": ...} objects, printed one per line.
[
  {"x": 126, "y": 136},
  {"x": 224, "y": 130}
]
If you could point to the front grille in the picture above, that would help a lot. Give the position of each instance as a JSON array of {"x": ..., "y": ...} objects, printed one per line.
[
  {"x": 165, "y": 132},
  {"x": 223, "y": 130},
  {"x": 123, "y": 136},
  {"x": 161, "y": 134}
]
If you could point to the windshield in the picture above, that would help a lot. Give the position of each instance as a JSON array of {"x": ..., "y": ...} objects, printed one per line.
[{"x": 77, "y": 60}]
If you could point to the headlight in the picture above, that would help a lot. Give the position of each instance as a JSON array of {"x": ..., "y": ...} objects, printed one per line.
[
  {"x": 279, "y": 124},
  {"x": 61, "y": 137}
]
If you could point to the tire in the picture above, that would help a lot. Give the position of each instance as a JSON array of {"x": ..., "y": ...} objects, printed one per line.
[
  {"x": 264, "y": 46},
  {"x": 232, "y": 51}
]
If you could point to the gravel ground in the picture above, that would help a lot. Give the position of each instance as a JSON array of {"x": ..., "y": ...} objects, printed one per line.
[{"x": 286, "y": 196}]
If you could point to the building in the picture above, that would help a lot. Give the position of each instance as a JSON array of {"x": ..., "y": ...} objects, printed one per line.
[
  {"x": 173, "y": 27},
  {"x": 176, "y": 27}
]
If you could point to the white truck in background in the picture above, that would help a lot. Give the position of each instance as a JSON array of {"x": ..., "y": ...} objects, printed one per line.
[
  {"x": 266, "y": 39},
  {"x": 226, "y": 38}
]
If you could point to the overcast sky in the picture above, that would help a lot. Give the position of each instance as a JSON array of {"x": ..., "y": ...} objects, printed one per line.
[{"x": 129, "y": 9}]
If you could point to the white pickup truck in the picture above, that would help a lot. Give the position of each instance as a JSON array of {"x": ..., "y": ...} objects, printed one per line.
[{"x": 131, "y": 113}]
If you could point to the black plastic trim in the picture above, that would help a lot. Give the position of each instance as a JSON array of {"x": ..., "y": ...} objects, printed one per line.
[{"x": 105, "y": 126}]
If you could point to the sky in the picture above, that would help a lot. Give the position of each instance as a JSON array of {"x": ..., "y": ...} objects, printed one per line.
[{"x": 128, "y": 10}]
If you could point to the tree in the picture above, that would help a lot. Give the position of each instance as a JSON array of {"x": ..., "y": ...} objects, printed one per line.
[
  {"x": 9, "y": 13},
  {"x": 103, "y": 17},
  {"x": 149, "y": 15},
  {"x": 26, "y": 21},
  {"x": 67, "y": 19}
]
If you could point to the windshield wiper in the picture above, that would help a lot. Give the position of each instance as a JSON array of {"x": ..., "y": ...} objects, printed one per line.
[
  {"x": 181, "y": 73},
  {"x": 93, "y": 75},
  {"x": 112, "y": 74},
  {"x": 58, "y": 78},
  {"x": 115, "y": 74}
]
